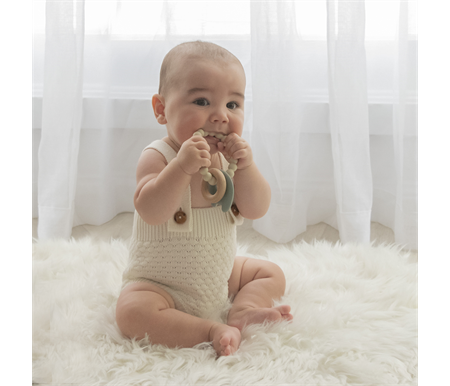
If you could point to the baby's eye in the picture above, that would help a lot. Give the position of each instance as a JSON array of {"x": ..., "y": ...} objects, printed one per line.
[
  {"x": 201, "y": 102},
  {"x": 232, "y": 105}
]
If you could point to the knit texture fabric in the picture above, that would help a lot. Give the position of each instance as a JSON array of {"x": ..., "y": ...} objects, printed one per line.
[{"x": 194, "y": 266}]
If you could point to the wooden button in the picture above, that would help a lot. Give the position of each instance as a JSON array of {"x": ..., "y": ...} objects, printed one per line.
[
  {"x": 235, "y": 209},
  {"x": 180, "y": 217}
]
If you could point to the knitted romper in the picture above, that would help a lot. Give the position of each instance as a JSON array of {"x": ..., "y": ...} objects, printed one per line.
[{"x": 191, "y": 261}]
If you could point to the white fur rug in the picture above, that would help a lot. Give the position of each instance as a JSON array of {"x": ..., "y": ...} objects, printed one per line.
[{"x": 354, "y": 307}]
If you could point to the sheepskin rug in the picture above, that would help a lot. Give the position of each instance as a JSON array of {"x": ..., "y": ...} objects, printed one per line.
[{"x": 354, "y": 307}]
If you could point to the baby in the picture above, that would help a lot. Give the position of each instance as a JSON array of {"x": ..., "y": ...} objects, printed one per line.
[{"x": 182, "y": 265}]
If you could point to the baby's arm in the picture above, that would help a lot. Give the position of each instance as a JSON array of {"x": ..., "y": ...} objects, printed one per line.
[
  {"x": 252, "y": 191},
  {"x": 160, "y": 188}
]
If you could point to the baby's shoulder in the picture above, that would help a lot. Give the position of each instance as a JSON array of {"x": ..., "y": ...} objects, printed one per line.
[
  {"x": 151, "y": 161},
  {"x": 151, "y": 154}
]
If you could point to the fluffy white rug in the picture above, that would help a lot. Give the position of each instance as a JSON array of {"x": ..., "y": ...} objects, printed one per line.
[{"x": 354, "y": 307}]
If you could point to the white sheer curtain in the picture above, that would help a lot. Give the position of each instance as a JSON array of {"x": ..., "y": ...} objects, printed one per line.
[
  {"x": 290, "y": 136},
  {"x": 404, "y": 133},
  {"x": 349, "y": 118},
  {"x": 61, "y": 117},
  {"x": 330, "y": 107},
  {"x": 348, "y": 154}
]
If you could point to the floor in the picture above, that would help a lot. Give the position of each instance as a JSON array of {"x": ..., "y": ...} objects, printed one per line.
[{"x": 120, "y": 228}]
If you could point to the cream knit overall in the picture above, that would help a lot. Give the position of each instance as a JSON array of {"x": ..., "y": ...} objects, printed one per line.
[{"x": 191, "y": 261}]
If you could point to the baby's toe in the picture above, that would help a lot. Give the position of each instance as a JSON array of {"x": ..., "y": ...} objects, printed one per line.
[{"x": 285, "y": 310}]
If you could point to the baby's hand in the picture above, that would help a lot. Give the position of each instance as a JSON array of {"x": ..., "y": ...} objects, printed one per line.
[
  {"x": 236, "y": 147},
  {"x": 194, "y": 154}
]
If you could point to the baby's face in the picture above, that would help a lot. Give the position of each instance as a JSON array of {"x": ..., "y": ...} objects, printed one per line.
[{"x": 205, "y": 96}]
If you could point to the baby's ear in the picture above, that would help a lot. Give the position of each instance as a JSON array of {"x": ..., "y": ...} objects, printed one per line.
[{"x": 158, "y": 104}]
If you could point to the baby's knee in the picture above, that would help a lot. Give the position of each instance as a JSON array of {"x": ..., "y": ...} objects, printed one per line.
[
  {"x": 127, "y": 311},
  {"x": 280, "y": 277},
  {"x": 136, "y": 310},
  {"x": 273, "y": 271}
]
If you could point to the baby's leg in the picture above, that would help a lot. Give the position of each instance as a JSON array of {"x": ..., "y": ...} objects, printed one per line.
[
  {"x": 145, "y": 308},
  {"x": 256, "y": 284}
]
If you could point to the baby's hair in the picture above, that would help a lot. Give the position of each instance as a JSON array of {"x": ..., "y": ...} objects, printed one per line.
[{"x": 194, "y": 49}]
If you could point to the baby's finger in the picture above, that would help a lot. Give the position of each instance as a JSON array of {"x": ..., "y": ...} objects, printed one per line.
[
  {"x": 197, "y": 138},
  {"x": 199, "y": 142},
  {"x": 240, "y": 154},
  {"x": 236, "y": 146},
  {"x": 205, "y": 162},
  {"x": 232, "y": 137},
  {"x": 205, "y": 154},
  {"x": 203, "y": 148}
]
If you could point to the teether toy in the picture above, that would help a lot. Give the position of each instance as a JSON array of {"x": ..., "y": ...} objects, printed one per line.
[
  {"x": 227, "y": 199},
  {"x": 214, "y": 192},
  {"x": 217, "y": 185}
]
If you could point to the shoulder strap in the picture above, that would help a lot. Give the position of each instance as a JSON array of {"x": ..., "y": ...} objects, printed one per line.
[
  {"x": 164, "y": 148},
  {"x": 169, "y": 154}
]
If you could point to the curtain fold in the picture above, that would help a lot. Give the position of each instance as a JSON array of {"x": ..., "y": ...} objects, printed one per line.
[
  {"x": 405, "y": 143},
  {"x": 61, "y": 117},
  {"x": 349, "y": 122}
]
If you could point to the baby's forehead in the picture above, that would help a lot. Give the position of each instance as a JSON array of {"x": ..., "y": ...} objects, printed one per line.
[
  {"x": 183, "y": 60},
  {"x": 190, "y": 54},
  {"x": 180, "y": 71}
]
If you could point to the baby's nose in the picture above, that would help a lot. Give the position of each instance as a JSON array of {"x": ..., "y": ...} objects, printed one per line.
[{"x": 219, "y": 116}]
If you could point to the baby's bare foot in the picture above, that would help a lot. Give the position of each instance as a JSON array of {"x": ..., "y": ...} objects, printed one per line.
[
  {"x": 226, "y": 339},
  {"x": 241, "y": 318}
]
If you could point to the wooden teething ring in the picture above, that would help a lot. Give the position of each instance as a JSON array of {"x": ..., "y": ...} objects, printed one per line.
[
  {"x": 216, "y": 177},
  {"x": 221, "y": 187}
]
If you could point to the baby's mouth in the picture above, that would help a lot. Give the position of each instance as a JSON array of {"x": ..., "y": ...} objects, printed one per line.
[{"x": 212, "y": 140}]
